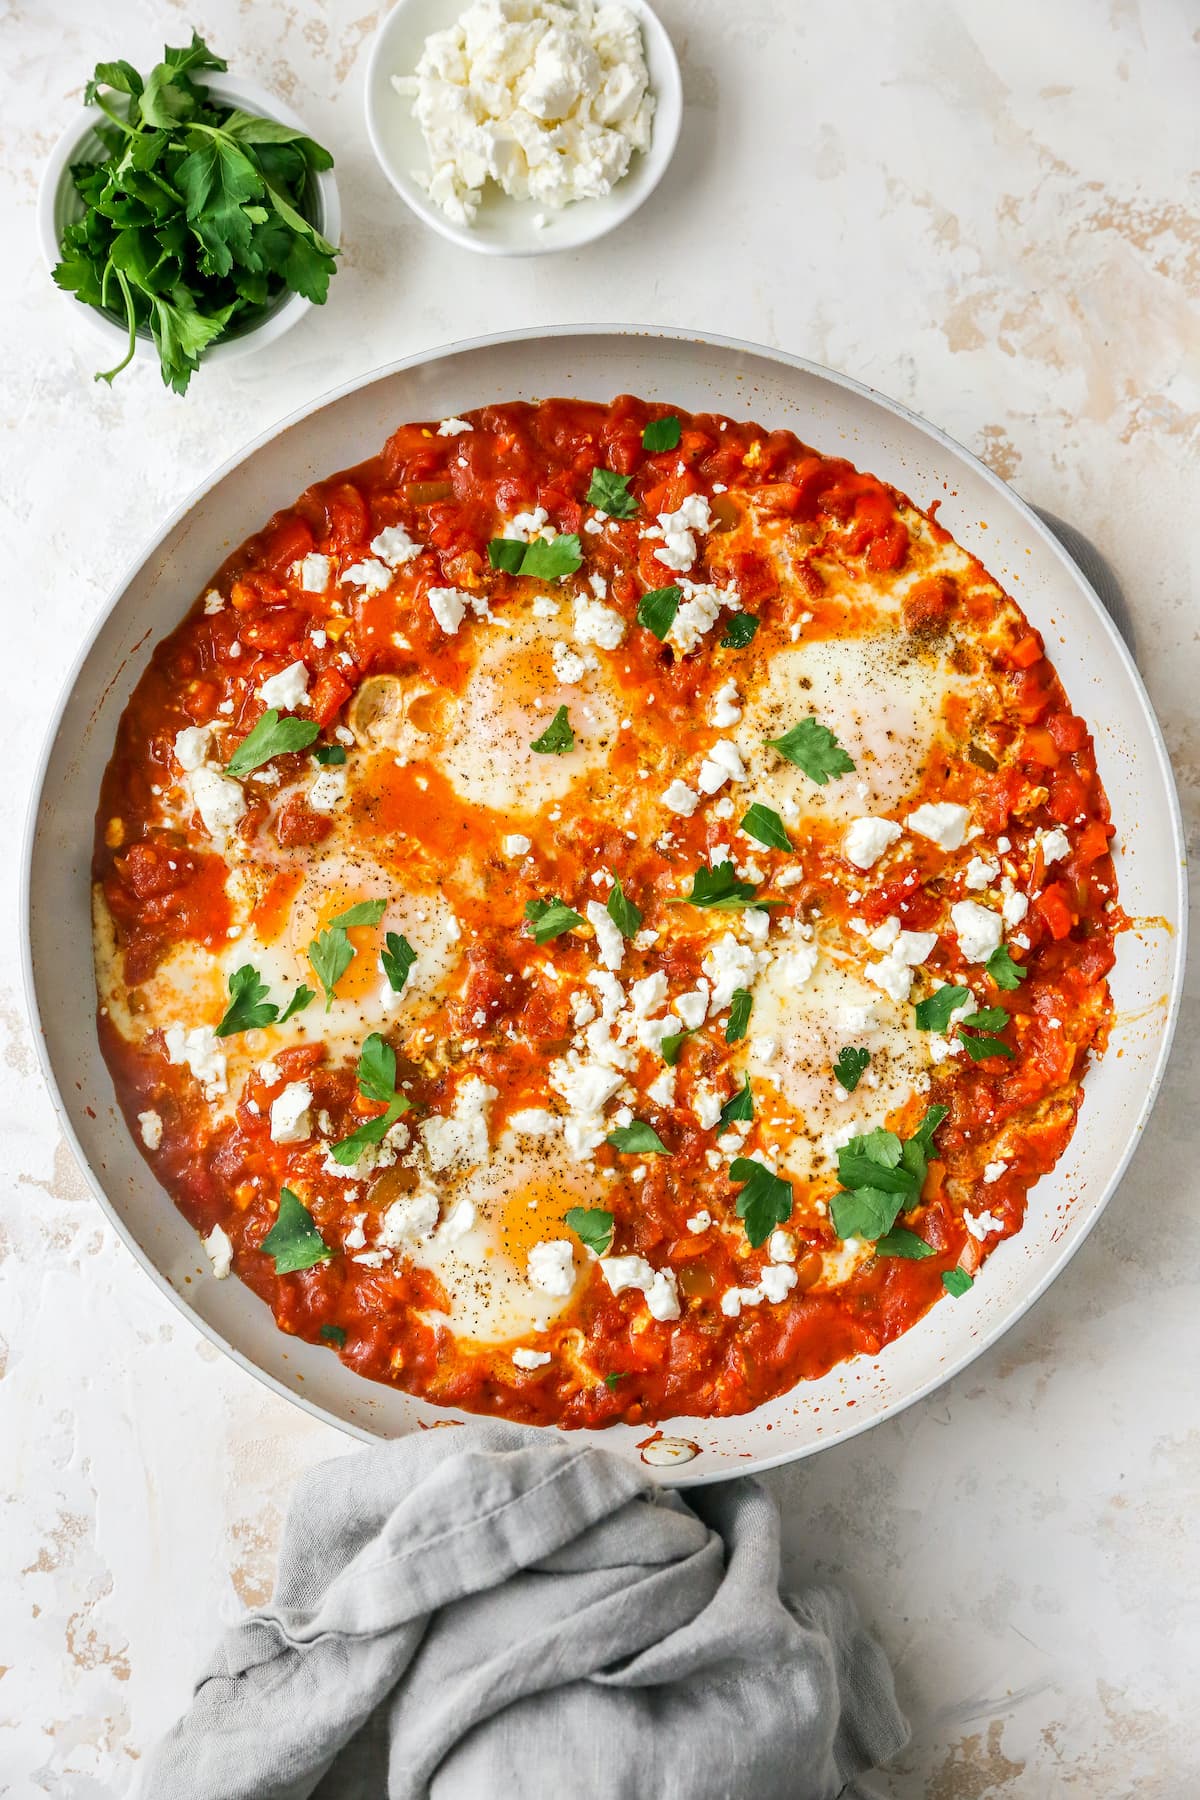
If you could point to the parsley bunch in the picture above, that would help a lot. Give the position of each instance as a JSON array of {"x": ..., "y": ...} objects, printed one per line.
[{"x": 194, "y": 222}]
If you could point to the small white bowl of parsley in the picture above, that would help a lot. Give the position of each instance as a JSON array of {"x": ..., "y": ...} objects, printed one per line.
[{"x": 189, "y": 212}]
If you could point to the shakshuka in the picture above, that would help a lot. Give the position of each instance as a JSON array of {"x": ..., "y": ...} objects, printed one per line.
[{"x": 601, "y": 913}]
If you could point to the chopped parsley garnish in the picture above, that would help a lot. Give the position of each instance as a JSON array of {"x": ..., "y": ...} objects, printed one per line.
[
  {"x": 738, "y": 1106},
  {"x": 549, "y": 919},
  {"x": 933, "y": 1013},
  {"x": 657, "y": 609},
  {"x": 662, "y": 434},
  {"x": 611, "y": 1380},
  {"x": 956, "y": 1282},
  {"x": 192, "y": 221},
  {"x": 881, "y": 1178},
  {"x": 672, "y": 1044},
  {"x": 376, "y": 1081},
  {"x": 331, "y": 953},
  {"x": 623, "y": 913},
  {"x": 248, "y": 1009},
  {"x": 720, "y": 889},
  {"x": 740, "y": 630},
  {"x": 293, "y": 1239},
  {"x": 543, "y": 558},
  {"x": 397, "y": 958},
  {"x": 638, "y": 1139},
  {"x": 610, "y": 492},
  {"x": 740, "y": 1006},
  {"x": 1003, "y": 970},
  {"x": 850, "y": 1067},
  {"x": 592, "y": 1225},
  {"x": 813, "y": 748},
  {"x": 765, "y": 824},
  {"x": 333, "y": 1334},
  {"x": 557, "y": 738},
  {"x": 330, "y": 756},
  {"x": 272, "y": 736},
  {"x": 899, "y": 1241},
  {"x": 303, "y": 996},
  {"x": 979, "y": 1037},
  {"x": 764, "y": 1202}
]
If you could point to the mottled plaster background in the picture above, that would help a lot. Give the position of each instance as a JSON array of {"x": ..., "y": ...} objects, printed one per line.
[{"x": 989, "y": 211}]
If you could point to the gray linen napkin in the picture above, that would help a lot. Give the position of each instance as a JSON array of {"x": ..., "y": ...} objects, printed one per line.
[{"x": 488, "y": 1611}]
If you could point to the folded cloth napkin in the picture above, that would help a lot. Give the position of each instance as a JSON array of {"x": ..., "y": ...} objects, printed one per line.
[{"x": 491, "y": 1611}]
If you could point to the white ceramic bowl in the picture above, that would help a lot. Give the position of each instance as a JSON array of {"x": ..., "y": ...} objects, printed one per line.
[
  {"x": 505, "y": 227},
  {"x": 702, "y": 374},
  {"x": 59, "y": 206}
]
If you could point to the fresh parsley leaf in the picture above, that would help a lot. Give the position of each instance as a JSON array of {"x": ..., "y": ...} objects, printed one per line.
[
  {"x": 979, "y": 1045},
  {"x": 592, "y": 1226},
  {"x": 672, "y": 1044},
  {"x": 303, "y": 996},
  {"x": 293, "y": 1239},
  {"x": 812, "y": 747},
  {"x": 333, "y": 1334},
  {"x": 330, "y": 756},
  {"x": 867, "y": 1212},
  {"x": 740, "y": 630},
  {"x": 740, "y": 1006},
  {"x": 546, "y": 559},
  {"x": 611, "y": 1380},
  {"x": 657, "y": 609},
  {"x": 850, "y": 1067},
  {"x": 349, "y": 1149},
  {"x": 397, "y": 957},
  {"x": 902, "y": 1242},
  {"x": 330, "y": 954},
  {"x": 611, "y": 494},
  {"x": 933, "y": 1013},
  {"x": 507, "y": 554},
  {"x": 988, "y": 1018},
  {"x": 720, "y": 889},
  {"x": 549, "y": 919},
  {"x": 1003, "y": 970},
  {"x": 638, "y": 1139},
  {"x": 272, "y": 736},
  {"x": 738, "y": 1106},
  {"x": 920, "y": 1146},
  {"x": 377, "y": 1070},
  {"x": 248, "y": 1009},
  {"x": 881, "y": 1177},
  {"x": 366, "y": 912},
  {"x": 662, "y": 434},
  {"x": 623, "y": 913},
  {"x": 956, "y": 1282},
  {"x": 765, "y": 1200},
  {"x": 763, "y": 823},
  {"x": 557, "y": 738}
]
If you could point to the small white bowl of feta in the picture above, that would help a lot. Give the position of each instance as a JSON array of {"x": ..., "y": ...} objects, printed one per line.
[{"x": 518, "y": 127}]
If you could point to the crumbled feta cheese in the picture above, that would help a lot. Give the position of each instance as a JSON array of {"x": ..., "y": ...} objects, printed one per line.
[
  {"x": 545, "y": 606},
  {"x": 569, "y": 666},
  {"x": 453, "y": 427},
  {"x": 394, "y": 547},
  {"x": 372, "y": 575},
  {"x": 944, "y": 823},
  {"x": 596, "y": 623},
  {"x": 777, "y": 1281},
  {"x": 459, "y": 1140},
  {"x": 529, "y": 1359},
  {"x": 993, "y": 1171},
  {"x": 981, "y": 872},
  {"x": 762, "y": 1049},
  {"x": 796, "y": 964},
  {"x": 677, "y": 530},
  {"x": 658, "y": 1286},
  {"x": 1014, "y": 908},
  {"x": 867, "y": 839},
  {"x": 697, "y": 612},
  {"x": 1054, "y": 845},
  {"x": 679, "y": 798},
  {"x": 706, "y": 1104},
  {"x": 699, "y": 1222},
  {"x": 200, "y": 1049},
  {"x": 894, "y": 973},
  {"x": 693, "y": 1007},
  {"x": 287, "y": 690},
  {"x": 979, "y": 1225},
  {"x": 151, "y": 1127},
  {"x": 723, "y": 763},
  {"x": 218, "y": 799},
  {"x": 552, "y": 1268},
  {"x": 533, "y": 1121},
  {"x": 781, "y": 1247},
  {"x": 515, "y": 844},
  {"x": 291, "y": 1120},
  {"x": 219, "y": 1251},
  {"x": 661, "y": 1091},
  {"x": 448, "y": 606},
  {"x": 526, "y": 525},
  {"x": 191, "y": 747},
  {"x": 213, "y": 602},
  {"x": 609, "y": 942},
  {"x": 413, "y": 1217},
  {"x": 327, "y": 789},
  {"x": 726, "y": 706},
  {"x": 730, "y": 965},
  {"x": 979, "y": 929},
  {"x": 647, "y": 995},
  {"x": 313, "y": 572}
]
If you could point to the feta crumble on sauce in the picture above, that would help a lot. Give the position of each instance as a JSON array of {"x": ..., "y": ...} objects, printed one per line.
[
  {"x": 546, "y": 100},
  {"x": 502, "y": 1074}
]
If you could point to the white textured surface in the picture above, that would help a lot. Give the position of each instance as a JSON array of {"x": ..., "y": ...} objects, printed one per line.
[{"x": 985, "y": 211}]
